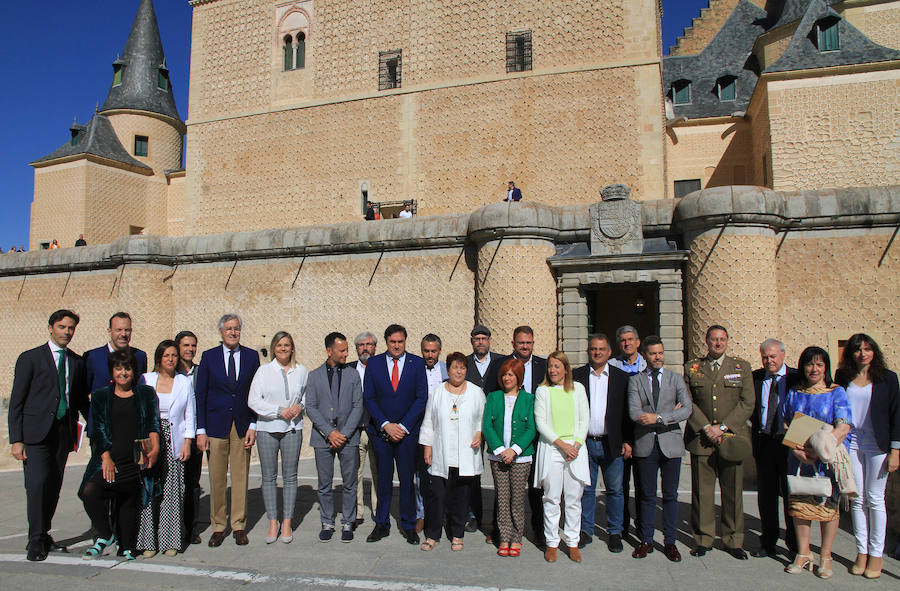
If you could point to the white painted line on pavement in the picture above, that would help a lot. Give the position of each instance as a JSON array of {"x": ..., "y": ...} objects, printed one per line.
[
  {"x": 251, "y": 577},
  {"x": 21, "y": 535}
]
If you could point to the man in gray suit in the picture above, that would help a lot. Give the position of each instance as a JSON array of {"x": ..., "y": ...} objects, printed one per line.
[
  {"x": 334, "y": 404},
  {"x": 658, "y": 401}
]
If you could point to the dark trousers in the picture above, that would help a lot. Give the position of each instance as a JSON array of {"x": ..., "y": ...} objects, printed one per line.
[
  {"x": 403, "y": 454},
  {"x": 451, "y": 496},
  {"x": 536, "y": 503},
  {"x": 96, "y": 495},
  {"x": 192, "y": 469},
  {"x": 476, "y": 507},
  {"x": 44, "y": 469},
  {"x": 631, "y": 469},
  {"x": 670, "y": 470},
  {"x": 771, "y": 480}
]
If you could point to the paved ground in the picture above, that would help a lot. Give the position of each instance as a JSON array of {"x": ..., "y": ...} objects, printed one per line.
[{"x": 388, "y": 565}]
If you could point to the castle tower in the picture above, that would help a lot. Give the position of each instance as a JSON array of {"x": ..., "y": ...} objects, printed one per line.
[{"x": 113, "y": 177}]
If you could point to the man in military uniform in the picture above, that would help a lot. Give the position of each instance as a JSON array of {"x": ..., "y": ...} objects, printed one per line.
[{"x": 722, "y": 393}]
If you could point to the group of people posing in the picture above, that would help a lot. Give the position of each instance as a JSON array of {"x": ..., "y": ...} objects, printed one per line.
[{"x": 548, "y": 431}]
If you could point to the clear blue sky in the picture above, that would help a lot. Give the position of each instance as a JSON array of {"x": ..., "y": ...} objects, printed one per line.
[{"x": 56, "y": 58}]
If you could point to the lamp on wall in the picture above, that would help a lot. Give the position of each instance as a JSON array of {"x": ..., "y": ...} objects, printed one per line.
[{"x": 640, "y": 305}]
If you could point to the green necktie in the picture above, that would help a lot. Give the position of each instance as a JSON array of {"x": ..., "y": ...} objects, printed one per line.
[{"x": 61, "y": 370}]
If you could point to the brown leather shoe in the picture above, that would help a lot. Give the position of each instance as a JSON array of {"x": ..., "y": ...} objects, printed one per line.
[
  {"x": 550, "y": 554},
  {"x": 216, "y": 539},
  {"x": 642, "y": 551},
  {"x": 240, "y": 537},
  {"x": 672, "y": 553},
  {"x": 574, "y": 554}
]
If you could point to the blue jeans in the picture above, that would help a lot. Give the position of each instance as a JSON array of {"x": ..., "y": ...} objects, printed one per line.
[{"x": 612, "y": 466}]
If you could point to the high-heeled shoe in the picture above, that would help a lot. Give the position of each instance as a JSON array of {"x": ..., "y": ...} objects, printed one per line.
[
  {"x": 859, "y": 566},
  {"x": 503, "y": 551},
  {"x": 873, "y": 568},
  {"x": 825, "y": 571},
  {"x": 801, "y": 561}
]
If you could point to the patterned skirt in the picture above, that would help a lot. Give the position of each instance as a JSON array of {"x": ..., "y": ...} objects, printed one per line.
[{"x": 161, "y": 521}]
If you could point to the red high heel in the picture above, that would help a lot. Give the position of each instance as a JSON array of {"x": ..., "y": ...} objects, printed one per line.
[
  {"x": 503, "y": 551},
  {"x": 514, "y": 552}
]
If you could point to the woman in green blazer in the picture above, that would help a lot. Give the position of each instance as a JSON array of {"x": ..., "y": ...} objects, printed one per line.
[
  {"x": 509, "y": 432},
  {"x": 122, "y": 413}
]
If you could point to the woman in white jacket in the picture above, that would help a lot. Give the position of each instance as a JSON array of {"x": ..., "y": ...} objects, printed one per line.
[
  {"x": 451, "y": 436},
  {"x": 277, "y": 397},
  {"x": 162, "y": 520},
  {"x": 561, "y": 414}
]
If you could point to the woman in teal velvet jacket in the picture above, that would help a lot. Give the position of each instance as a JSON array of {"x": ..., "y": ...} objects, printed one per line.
[
  {"x": 121, "y": 414},
  {"x": 509, "y": 432}
]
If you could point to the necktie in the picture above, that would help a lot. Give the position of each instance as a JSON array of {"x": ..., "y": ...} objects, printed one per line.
[
  {"x": 655, "y": 387},
  {"x": 61, "y": 371},
  {"x": 395, "y": 376},
  {"x": 335, "y": 386},
  {"x": 772, "y": 406},
  {"x": 232, "y": 371},
  {"x": 714, "y": 364}
]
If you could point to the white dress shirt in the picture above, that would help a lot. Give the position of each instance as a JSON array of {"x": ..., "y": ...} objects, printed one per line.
[
  {"x": 55, "y": 349},
  {"x": 361, "y": 370},
  {"x": 599, "y": 384},
  {"x": 764, "y": 396},
  {"x": 526, "y": 383},
  {"x": 272, "y": 390},
  {"x": 237, "y": 360},
  {"x": 482, "y": 366}
]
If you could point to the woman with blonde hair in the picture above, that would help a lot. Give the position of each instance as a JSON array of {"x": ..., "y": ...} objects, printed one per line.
[
  {"x": 276, "y": 396},
  {"x": 561, "y": 414}
]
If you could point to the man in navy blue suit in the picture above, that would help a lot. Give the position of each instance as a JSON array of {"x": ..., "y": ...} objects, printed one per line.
[
  {"x": 226, "y": 426},
  {"x": 395, "y": 392},
  {"x": 119, "y": 340},
  {"x": 513, "y": 193},
  {"x": 95, "y": 360}
]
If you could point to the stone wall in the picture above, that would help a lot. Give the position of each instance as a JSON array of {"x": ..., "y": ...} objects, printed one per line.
[
  {"x": 879, "y": 22},
  {"x": 716, "y": 153},
  {"x": 837, "y": 131},
  {"x": 57, "y": 189}
]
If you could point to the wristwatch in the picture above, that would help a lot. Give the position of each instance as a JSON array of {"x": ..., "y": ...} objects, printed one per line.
[{"x": 723, "y": 428}]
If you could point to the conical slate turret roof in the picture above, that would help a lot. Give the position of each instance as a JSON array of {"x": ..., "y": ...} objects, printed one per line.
[
  {"x": 141, "y": 64},
  {"x": 97, "y": 138}
]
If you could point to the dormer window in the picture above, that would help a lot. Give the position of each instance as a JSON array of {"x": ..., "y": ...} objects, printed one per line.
[
  {"x": 75, "y": 137},
  {"x": 726, "y": 88},
  {"x": 828, "y": 34},
  {"x": 117, "y": 74},
  {"x": 162, "y": 79},
  {"x": 681, "y": 92}
]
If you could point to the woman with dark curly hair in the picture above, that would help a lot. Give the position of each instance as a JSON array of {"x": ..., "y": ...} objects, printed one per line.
[{"x": 875, "y": 444}]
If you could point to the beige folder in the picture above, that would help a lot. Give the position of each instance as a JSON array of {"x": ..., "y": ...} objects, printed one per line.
[{"x": 801, "y": 427}]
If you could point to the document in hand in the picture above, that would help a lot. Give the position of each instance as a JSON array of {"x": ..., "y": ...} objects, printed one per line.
[{"x": 801, "y": 427}]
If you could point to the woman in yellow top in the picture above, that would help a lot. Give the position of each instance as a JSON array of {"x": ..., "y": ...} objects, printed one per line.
[{"x": 561, "y": 414}]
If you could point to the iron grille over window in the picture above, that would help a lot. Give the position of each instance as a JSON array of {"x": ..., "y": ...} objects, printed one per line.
[
  {"x": 389, "y": 69},
  {"x": 518, "y": 51}
]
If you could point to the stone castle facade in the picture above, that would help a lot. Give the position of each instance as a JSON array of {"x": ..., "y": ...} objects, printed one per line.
[{"x": 312, "y": 107}]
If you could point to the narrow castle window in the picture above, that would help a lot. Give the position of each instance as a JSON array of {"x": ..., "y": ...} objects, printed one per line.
[
  {"x": 389, "y": 69},
  {"x": 300, "y": 61},
  {"x": 141, "y": 145},
  {"x": 117, "y": 74},
  {"x": 162, "y": 79},
  {"x": 726, "y": 88},
  {"x": 288, "y": 50},
  {"x": 827, "y": 35},
  {"x": 681, "y": 92},
  {"x": 518, "y": 51}
]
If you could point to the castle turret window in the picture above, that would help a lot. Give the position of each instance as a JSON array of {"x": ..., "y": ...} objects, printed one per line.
[
  {"x": 162, "y": 79},
  {"x": 828, "y": 35},
  {"x": 141, "y": 145},
  {"x": 681, "y": 92},
  {"x": 726, "y": 88},
  {"x": 117, "y": 74}
]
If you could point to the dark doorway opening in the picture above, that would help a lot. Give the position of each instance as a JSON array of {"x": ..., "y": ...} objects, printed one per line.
[{"x": 636, "y": 304}]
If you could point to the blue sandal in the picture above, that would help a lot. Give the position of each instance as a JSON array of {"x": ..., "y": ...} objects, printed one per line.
[
  {"x": 98, "y": 548},
  {"x": 129, "y": 555}
]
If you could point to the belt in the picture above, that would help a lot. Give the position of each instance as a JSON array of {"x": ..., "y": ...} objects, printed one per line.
[{"x": 597, "y": 437}]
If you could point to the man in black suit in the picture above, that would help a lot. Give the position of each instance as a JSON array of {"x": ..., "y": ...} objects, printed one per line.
[
  {"x": 609, "y": 439},
  {"x": 49, "y": 390},
  {"x": 771, "y": 383},
  {"x": 535, "y": 372}
]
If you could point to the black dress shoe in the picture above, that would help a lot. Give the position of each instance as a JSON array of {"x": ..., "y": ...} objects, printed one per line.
[
  {"x": 472, "y": 525},
  {"x": 380, "y": 532},
  {"x": 700, "y": 551},
  {"x": 584, "y": 539},
  {"x": 672, "y": 553},
  {"x": 763, "y": 552},
  {"x": 216, "y": 539},
  {"x": 36, "y": 553},
  {"x": 358, "y": 522},
  {"x": 737, "y": 553},
  {"x": 615, "y": 544},
  {"x": 642, "y": 551},
  {"x": 196, "y": 539},
  {"x": 412, "y": 537},
  {"x": 50, "y": 545},
  {"x": 240, "y": 537}
]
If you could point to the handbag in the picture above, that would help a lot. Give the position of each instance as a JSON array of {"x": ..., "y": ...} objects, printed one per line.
[{"x": 814, "y": 486}]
